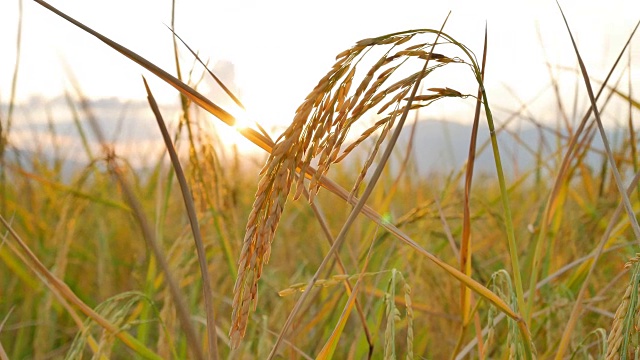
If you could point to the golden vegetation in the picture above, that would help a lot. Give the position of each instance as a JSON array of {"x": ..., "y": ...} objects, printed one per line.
[{"x": 155, "y": 262}]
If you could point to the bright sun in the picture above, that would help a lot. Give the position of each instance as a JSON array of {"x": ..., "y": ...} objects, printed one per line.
[{"x": 231, "y": 136}]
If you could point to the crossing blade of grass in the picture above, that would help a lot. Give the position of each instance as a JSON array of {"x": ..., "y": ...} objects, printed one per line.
[
  {"x": 61, "y": 288},
  {"x": 317, "y": 211},
  {"x": 400, "y": 235},
  {"x": 632, "y": 102},
  {"x": 329, "y": 347},
  {"x": 195, "y": 228}
]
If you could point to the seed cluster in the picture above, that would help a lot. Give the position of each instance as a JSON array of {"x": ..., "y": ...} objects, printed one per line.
[{"x": 318, "y": 133}]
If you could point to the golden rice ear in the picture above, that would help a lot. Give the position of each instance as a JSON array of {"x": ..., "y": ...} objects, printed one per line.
[{"x": 318, "y": 132}]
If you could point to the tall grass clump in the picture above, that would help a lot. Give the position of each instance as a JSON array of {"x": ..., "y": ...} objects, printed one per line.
[{"x": 115, "y": 261}]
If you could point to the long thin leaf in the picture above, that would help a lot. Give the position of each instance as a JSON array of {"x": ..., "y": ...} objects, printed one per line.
[{"x": 195, "y": 228}]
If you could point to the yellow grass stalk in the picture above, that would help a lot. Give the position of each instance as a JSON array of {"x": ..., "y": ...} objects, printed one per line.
[{"x": 65, "y": 292}]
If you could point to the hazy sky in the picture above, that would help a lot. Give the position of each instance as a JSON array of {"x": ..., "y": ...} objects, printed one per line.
[{"x": 276, "y": 51}]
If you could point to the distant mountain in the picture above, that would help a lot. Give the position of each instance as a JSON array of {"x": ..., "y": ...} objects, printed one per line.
[{"x": 439, "y": 147}]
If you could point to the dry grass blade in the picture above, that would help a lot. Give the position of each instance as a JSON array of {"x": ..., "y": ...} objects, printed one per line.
[
  {"x": 220, "y": 83},
  {"x": 623, "y": 194},
  {"x": 195, "y": 228},
  {"x": 215, "y": 78},
  {"x": 4, "y": 132},
  {"x": 3, "y": 354},
  {"x": 184, "y": 89},
  {"x": 465, "y": 243}
]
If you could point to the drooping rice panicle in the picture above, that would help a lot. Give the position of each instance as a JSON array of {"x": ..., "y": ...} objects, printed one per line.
[{"x": 318, "y": 132}]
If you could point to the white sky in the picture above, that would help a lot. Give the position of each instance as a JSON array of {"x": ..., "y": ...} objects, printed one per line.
[{"x": 280, "y": 49}]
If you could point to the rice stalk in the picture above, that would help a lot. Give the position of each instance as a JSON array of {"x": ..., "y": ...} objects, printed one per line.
[
  {"x": 392, "y": 315},
  {"x": 409, "y": 316},
  {"x": 148, "y": 234},
  {"x": 465, "y": 252},
  {"x": 195, "y": 228},
  {"x": 501, "y": 284},
  {"x": 625, "y": 317}
]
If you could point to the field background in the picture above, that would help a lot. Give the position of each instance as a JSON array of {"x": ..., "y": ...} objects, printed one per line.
[{"x": 95, "y": 224}]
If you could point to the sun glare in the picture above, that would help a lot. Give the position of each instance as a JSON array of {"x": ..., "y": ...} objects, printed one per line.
[
  {"x": 241, "y": 121},
  {"x": 231, "y": 136}
]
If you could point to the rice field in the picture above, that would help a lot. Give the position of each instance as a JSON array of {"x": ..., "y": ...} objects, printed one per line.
[{"x": 329, "y": 243}]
